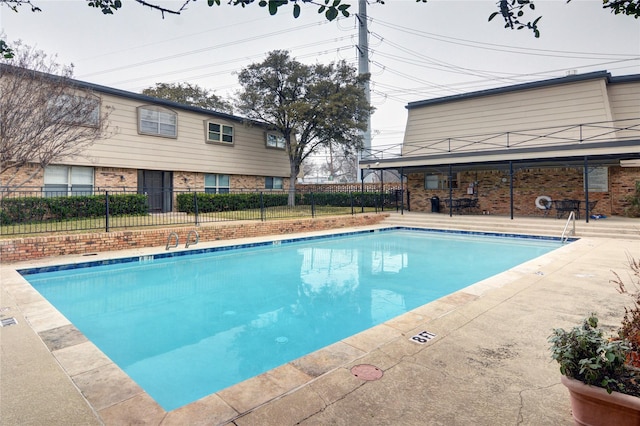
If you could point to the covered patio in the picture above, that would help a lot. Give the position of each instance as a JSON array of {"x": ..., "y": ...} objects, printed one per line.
[{"x": 570, "y": 143}]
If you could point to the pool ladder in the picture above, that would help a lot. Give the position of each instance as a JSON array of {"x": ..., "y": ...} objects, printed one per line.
[
  {"x": 188, "y": 243},
  {"x": 192, "y": 232}
]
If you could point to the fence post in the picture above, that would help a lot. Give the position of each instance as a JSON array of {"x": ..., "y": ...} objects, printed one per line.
[
  {"x": 313, "y": 206},
  {"x": 262, "y": 212},
  {"x": 106, "y": 210},
  {"x": 351, "y": 202},
  {"x": 195, "y": 206}
]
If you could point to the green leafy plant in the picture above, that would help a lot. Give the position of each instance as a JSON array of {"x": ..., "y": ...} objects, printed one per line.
[
  {"x": 633, "y": 209},
  {"x": 37, "y": 209},
  {"x": 630, "y": 328},
  {"x": 585, "y": 354}
]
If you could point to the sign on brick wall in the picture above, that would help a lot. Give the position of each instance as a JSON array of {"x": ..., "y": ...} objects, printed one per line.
[{"x": 599, "y": 179}]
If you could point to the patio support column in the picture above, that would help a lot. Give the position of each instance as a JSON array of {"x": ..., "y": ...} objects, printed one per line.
[
  {"x": 401, "y": 191},
  {"x": 362, "y": 190},
  {"x": 450, "y": 191},
  {"x": 511, "y": 188},
  {"x": 382, "y": 189},
  {"x": 586, "y": 188}
]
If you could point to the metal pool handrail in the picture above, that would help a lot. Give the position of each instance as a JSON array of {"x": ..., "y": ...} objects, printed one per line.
[
  {"x": 169, "y": 241},
  {"x": 572, "y": 215}
]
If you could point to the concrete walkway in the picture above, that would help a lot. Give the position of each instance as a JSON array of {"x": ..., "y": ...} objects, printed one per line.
[{"x": 489, "y": 363}]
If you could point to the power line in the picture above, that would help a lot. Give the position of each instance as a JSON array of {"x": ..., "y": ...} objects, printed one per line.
[
  {"x": 202, "y": 50},
  {"x": 500, "y": 47}
]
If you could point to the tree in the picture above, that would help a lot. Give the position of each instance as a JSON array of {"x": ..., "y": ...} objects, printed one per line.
[
  {"x": 512, "y": 11},
  {"x": 340, "y": 165},
  {"x": 189, "y": 94},
  {"x": 312, "y": 106},
  {"x": 45, "y": 117}
]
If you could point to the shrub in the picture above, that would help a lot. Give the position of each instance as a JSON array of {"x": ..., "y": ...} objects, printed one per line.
[
  {"x": 22, "y": 210},
  {"x": 585, "y": 354},
  {"x": 37, "y": 209},
  {"x": 630, "y": 329},
  {"x": 128, "y": 204},
  {"x": 211, "y": 203},
  {"x": 633, "y": 210}
]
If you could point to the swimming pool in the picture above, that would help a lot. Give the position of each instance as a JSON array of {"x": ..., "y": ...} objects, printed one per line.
[{"x": 185, "y": 326}]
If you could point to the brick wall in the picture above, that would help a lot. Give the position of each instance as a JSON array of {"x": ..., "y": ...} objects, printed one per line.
[
  {"x": 622, "y": 181},
  {"x": 191, "y": 181},
  {"x": 114, "y": 178},
  {"x": 32, "y": 174},
  {"x": 58, "y": 245},
  {"x": 493, "y": 192}
]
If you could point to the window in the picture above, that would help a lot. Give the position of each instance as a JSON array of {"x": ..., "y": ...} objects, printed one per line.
[
  {"x": 219, "y": 133},
  {"x": 157, "y": 121},
  {"x": 68, "y": 180},
  {"x": 78, "y": 110},
  {"x": 273, "y": 183},
  {"x": 216, "y": 184},
  {"x": 440, "y": 181},
  {"x": 275, "y": 141}
]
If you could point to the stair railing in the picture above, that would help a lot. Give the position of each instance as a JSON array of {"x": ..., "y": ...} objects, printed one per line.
[{"x": 565, "y": 235}]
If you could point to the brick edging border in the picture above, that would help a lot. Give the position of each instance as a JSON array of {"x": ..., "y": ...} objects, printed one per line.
[{"x": 32, "y": 248}]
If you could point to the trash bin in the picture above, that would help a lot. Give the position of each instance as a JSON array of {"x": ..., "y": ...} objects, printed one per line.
[{"x": 435, "y": 204}]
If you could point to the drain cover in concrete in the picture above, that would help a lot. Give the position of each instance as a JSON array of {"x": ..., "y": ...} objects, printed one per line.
[
  {"x": 5, "y": 322},
  {"x": 366, "y": 372}
]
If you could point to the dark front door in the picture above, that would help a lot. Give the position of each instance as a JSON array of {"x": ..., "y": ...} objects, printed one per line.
[{"x": 157, "y": 186}]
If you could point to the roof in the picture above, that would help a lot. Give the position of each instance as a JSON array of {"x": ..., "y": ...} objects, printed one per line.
[
  {"x": 528, "y": 86},
  {"x": 156, "y": 101},
  {"x": 144, "y": 98}
]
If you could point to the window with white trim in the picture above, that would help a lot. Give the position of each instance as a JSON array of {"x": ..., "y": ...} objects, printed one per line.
[
  {"x": 73, "y": 109},
  {"x": 157, "y": 121},
  {"x": 275, "y": 141},
  {"x": 273, "y": 183},
  {"x": 219, "y": 133},
  {"x": 68, "y": 180},
  {"x": 216, "y": 184}
]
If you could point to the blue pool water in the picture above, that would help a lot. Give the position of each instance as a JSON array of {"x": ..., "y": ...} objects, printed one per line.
[{"x": 188, "y": 326}]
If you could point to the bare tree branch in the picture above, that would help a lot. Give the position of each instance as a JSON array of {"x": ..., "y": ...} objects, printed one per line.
[{"x": 45, "y": 117}]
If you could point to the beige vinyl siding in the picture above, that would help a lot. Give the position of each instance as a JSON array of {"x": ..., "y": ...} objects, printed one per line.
[
  {"x": 126, "y": 148},
  {"x": 454, "y": 125},
  {"x": 625, "y": 107},
  {"x": 625, "y": 100}
]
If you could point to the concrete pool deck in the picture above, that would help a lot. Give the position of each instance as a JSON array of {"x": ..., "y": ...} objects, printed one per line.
[{"x": 489, "y": 363}]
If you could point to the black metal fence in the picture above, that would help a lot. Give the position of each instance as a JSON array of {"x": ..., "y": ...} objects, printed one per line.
[{"x": 45, "y": 211}]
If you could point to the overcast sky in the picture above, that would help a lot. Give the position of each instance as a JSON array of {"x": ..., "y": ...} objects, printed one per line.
[{"x": 417, "y": 51}]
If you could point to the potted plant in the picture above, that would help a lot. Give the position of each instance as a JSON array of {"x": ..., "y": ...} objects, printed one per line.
[{"x": 601, "y": 372}]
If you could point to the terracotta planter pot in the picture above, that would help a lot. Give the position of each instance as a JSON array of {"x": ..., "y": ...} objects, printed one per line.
[{"x": 593, "y": 406}]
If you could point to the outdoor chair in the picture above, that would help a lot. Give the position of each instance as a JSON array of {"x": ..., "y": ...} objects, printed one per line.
[
  {"x": 566, "y": 206},
  {"x": 474, "y": 206},
  {"x": 453, "y": 204},
  {"x": 465, "y": 205}
]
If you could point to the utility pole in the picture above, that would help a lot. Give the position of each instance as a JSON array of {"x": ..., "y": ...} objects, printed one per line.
[{"x": 363, "y": 68}]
